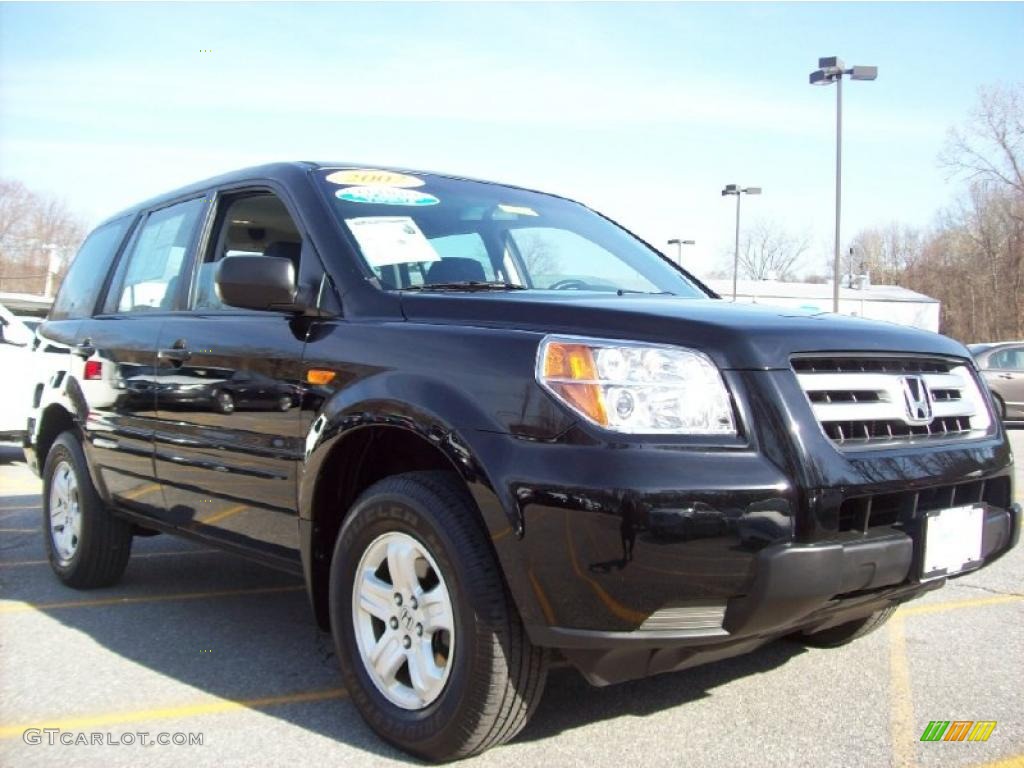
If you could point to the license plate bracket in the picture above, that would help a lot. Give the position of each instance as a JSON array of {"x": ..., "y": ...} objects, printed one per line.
[{"x": 951, "y": 540}]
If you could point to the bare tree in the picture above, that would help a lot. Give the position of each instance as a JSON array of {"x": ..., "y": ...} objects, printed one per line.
[
  {"x": 883, "y": 252},
  {"x": 989, "y": 147},
  {"x": 768, "y": 252},
  {"x": 37, "y": 232}
]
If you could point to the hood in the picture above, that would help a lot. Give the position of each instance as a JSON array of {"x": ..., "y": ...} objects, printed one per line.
[{"x": 736, "y": 336}]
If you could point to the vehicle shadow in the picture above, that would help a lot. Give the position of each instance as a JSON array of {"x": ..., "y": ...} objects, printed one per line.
[
  {"x": 265, "y": 643},
  {"x": 570, "y": 701}
]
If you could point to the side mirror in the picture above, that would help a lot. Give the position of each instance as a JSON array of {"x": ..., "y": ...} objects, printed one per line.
[{"x": 257, "y": 282}]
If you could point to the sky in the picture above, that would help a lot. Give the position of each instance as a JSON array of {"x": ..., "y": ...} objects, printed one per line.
[{"x": 643, "y": 111}]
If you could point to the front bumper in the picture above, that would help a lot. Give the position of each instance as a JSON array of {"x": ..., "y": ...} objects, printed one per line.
[{"x": 794, "y": 587}]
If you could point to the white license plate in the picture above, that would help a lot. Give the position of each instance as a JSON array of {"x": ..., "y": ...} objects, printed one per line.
[{"x": 952, "y": 541}]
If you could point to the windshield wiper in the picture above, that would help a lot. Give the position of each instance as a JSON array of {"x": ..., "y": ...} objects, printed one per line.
[
  {"x": 467, "y": 285},
  {"x": 624, "y": 291}
]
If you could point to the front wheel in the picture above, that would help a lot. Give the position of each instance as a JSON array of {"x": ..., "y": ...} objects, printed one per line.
[
  {"x": 833, "y": 637},
  {"x": 432, "y": 650}
]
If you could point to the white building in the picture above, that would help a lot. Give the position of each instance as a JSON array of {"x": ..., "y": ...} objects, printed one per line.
[{"x": 875, "y": 302}]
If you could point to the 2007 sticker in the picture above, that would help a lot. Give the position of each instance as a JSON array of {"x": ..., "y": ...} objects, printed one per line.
[
  {"x": 385, "y": 196},
  {"x": 367, "y": 177}
]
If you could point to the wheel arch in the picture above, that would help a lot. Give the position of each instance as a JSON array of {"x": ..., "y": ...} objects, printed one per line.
[{"x": 352, "y": 445}]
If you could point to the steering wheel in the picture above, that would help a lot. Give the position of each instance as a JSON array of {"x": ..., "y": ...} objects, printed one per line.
[{"x": 571, "y": 284}]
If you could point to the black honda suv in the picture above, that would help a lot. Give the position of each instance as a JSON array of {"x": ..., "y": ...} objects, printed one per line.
[{"x": 489, "y": 426}]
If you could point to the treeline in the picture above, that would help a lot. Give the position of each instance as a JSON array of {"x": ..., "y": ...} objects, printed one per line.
[
  {"x": 38, "y": 236},
  {"x": 972, "y": 258}
]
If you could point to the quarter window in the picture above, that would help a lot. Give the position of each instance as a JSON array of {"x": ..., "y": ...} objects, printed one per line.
[{"x": 84, "y": 279}]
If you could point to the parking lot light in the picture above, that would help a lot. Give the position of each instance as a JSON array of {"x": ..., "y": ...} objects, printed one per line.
[
  {"x": 737, "y": 190},
  {"x": 831, "y": 70}
]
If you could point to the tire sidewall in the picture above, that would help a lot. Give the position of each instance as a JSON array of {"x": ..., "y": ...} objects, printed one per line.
[
  {"x": 66, "y": 448},
  {"x": 416, "y": 730}
]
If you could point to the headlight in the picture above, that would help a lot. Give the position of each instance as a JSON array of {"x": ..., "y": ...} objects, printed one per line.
[{"x": 636, "y": 388}]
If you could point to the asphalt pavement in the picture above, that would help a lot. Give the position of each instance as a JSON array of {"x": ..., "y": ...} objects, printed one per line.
[{"x": 197, "y": 642}]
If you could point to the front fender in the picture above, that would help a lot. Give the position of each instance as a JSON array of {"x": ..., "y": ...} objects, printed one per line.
[{"x": 437, "y": 413}]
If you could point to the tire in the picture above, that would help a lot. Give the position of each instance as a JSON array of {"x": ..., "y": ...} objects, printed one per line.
[
  {"x": 284, "y": 402},
  {"x": 225, "y": 402},
  {"x": 1000, "y": 407},
  {"x": 493, "y": 676},
  {"x": 833, "y": 637},
  {"x": 87, "y": 546}
]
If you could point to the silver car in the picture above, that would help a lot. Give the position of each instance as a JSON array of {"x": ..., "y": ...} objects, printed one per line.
[{"x": 1002, "y": 365}]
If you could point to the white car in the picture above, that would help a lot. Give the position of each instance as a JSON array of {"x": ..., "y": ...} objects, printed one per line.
[{"x": 21, "y": 372}]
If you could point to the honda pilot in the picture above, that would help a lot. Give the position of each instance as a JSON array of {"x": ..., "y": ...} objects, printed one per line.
[{"x": 490, "y": 428}]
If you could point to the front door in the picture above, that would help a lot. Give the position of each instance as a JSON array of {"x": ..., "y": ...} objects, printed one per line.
[{"x": 229, "y": 391}]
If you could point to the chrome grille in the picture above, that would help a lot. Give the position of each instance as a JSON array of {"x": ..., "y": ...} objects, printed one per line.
[{"x": 876, "y": 400}]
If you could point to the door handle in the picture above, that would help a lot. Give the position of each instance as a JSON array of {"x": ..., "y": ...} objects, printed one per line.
[
  {"x": 176, "y": 353},
  {"x": 85, "y": 349},
  {"x": 1005, "y": 375}
]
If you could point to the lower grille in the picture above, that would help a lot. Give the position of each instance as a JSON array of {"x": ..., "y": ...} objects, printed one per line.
[{"x": 866, "y": 512}]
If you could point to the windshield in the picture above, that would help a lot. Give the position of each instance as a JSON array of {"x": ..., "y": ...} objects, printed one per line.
[{"x": 424, "y": 232}]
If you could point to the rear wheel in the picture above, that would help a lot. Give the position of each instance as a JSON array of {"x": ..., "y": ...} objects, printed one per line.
[
  {"x": 1000, "y": 406},
  {"x": 833, "y": 637},
  {"x": 225, "y": 402},
  {"x": 432, "y": 650},
  {"x": 87, "y": 546}
]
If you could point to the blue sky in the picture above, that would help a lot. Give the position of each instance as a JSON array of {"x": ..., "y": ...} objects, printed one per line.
[{"x": 642, "y": 110}]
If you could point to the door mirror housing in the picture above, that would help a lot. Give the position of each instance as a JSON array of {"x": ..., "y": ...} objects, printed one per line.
[{"x": 258, "y": 282}]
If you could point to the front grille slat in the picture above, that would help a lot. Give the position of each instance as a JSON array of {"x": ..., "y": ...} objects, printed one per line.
[{"x": 864, "y": 401}]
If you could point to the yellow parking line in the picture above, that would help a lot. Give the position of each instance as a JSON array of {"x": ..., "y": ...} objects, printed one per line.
[
  {"x": 216, "y": 518},
  {"x": 4, "y": 510},
  {"x": 18, "y": 530},
  {"x": 917, "y": 610},
  {"x": 16, "y": 563},
  {"x": 18, "y": 606},
  {"x": 1017, "y": 761},
  {"x": 901, "y": 714},
  {"x": 167, "y": 713}
]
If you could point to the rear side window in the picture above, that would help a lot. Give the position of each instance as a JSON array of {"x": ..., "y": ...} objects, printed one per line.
[
  {"x": 149, "y": 273},
  {"x": 84, "y": 279},
  {"x": 1011, "y": 359}
]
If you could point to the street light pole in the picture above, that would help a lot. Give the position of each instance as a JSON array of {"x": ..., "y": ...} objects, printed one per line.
[
  {"x": 738, "y": 191},
  {"x": 679, "y": 248},
  {"x": 831, "y": 71}
]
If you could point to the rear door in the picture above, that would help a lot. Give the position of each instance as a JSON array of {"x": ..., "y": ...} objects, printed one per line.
[
  {"x": 117, "y": 352},
  {"x": 229, "y": 392}
]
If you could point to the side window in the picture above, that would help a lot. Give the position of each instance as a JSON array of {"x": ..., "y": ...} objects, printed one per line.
[
  {"x": 1011, "y": 359},
  {"x": 84, "y": 279},
  {"x": 251, "y": 225},
  {"x": 147, "y": 277}
]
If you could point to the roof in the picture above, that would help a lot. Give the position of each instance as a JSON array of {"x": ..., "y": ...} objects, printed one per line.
[
  {"x": 279, "y": 169},
  {"x": 777, "y": 289}
]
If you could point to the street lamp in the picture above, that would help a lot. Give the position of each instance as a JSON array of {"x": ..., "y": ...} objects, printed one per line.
[
  {"x": 736, "y": 189},
  {"x": 679, "y": 247},
  {"x": 831, "y": 70}
]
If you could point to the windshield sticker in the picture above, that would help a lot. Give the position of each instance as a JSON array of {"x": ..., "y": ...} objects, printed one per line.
[
  {"x": 371, "y": 178},
  {"x": 391, "y": 240},
  {"x": 385, "y": 196},
  {"x": 518, "y": 210}
]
